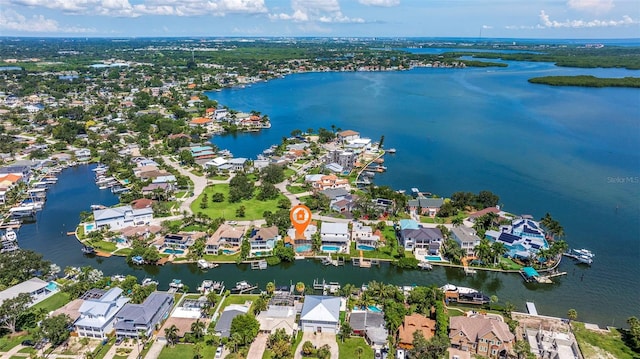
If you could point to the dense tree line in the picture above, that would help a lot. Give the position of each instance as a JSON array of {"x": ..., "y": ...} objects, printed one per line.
[{"x": 586, "y": 81}]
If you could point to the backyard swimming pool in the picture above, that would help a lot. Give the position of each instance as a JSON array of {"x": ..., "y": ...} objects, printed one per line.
[
  {"x": 52, "y": 286},
  {"x": 330, "y": 248},
  {"x": 363, "y": 247},
  {"x": 433, "y": 258},
  {"x": 303, "y": 248},
  {"x": 228, "y": 251},
  {"x": 88, "y": 227},
  {"x": 173, "y": 251}
]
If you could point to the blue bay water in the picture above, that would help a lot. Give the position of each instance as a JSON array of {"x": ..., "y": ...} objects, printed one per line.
[{"x": 569, "y": 151}]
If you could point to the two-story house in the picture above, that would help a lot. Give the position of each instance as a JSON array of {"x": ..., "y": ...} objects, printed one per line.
[
  {"x": 335, "y": 237},
  {"x": 425, "y": 206},
  {"x": 365, "y": 237},
  {"x": 263, "y": 240},
  {"x": 97, "y": 315},
  {"x": 466, "y": 238},
  {"x": 225, "y": 236},
  {"x": 120, "y": 217},
  {"x": 481, "y": 335},
  {"x": 135, "y": 319},
  {"x": 429, "y": 239}
]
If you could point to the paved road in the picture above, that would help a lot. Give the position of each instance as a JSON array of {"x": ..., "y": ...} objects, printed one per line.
[
  {"x": 155, "y": 349},
  {"x": 258, "y": 346}
]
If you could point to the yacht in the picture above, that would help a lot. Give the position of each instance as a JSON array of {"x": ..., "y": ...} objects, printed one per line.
[{"x": 149, "y": 281}]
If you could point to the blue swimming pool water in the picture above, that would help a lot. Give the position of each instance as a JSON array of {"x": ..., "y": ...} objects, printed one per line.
[
  {"x": 52, "y": 286},
  {"x": 363, "y": 247},
  {"x": 228, "y": 251},
  {"x": 120, "y": 240},
  {"x": 433, "y": 258},
  {"x": 373, "y": 308},
  {"x": 173, "y": 251},
  {"x": 88, "y": 227},
  {"x": 303, "y": 248},
  {"x": 330, "y": 248}
]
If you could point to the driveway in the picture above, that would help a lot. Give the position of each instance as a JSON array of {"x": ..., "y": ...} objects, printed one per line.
[
  {"x": 318, "y": 339},
  {"x": 258, "y": 346}
]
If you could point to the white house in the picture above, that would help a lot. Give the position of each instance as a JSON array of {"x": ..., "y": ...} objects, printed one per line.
[
  {"x": 120, "y": 217},
  {"x": 364, "y": 236},
  {"x": 466, "y": 238},
  {"x": 320, "y": 314},
  {"x": 36, "y": 287},
  {"x": 97, "y": 315},
  {"x": 83, "y": 154},
  {"x": 334, "y": 236}
]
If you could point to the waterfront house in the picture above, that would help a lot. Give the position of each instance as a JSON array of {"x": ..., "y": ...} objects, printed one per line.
[
  {"x": 97, "y": 314},
  {"x": 36, "y": 287},
  {"x": 263, "y": 240},
  {"x": 552, "y": 344},
  {"x": 301, "y": 243},
  {"x": 155, "y": 189},
  {"x": 331, "y": 181},
  {"x": 522, "y": 238},
  {"x": 177, "y": 241},
  {"x": 202, "y": 122},
  {"x": 495, "y": 210},
  {"x": 24, "y": 171},
  {"x": 370, "y": 325},
  {"x": 365, "y": 235},
  {"x": 347, "y": 135},
  {"x": 202, "y": 152},
  {"x": 425, "y": 206},
  {"x": 429, "y": 239},
  {"x": 121, "y": 217},
  {"x": 320, "y": 314},
  {"x": 82, "y": 155},
  {"x": 334, "y": 235},
  {"x": 236, "y": 164},
  {"x": 411, "y": 324},
  {"x": 135, "y": 319},
  {"x": 225, "y": 236},
  {"x": 487, "y": 337},
  {"x": 223, "y": 325},
  {"x": 344, "y": 159},
  {"x": 466, "y": 237}
]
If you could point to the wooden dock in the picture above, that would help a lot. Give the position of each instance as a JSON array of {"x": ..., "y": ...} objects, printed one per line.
[
  {"x": 259, "y": 264},
  {"x": 163, "y": 261},
  {"x": 100, "y": 253}
]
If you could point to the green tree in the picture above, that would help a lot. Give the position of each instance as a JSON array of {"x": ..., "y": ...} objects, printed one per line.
[
  {"x": 272, "y": 174},
  {"x": 572, "y": 314},
  {"x": 12, "y": 309},
  {"x": 56, "y": 328},
  {"x": 267, "y": 191},
  {"x": 308, "y": 348},
  {"x": 271, "y": 287},
  {"x": 493, "y": 299},
  {"x": 246, "y": 326},
  {"x": 151, "y": 254},
  {"x": 240, "y": 211},
  {"x": 197, "y": 329},
  {"x": 240, "y": 188},
  {"x": 434, "y": 348},
  {"x": 345, "y": 331},
  {"x": 171, "y": 334}
]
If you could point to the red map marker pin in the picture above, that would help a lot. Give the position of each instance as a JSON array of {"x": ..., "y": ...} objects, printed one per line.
[{"x": 300, "y": 216}]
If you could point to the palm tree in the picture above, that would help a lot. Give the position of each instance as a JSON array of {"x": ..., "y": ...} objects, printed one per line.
[
  {"x": 197, "y": 329},
  {"x": 271, "y": 287},
  {"x": 345, "y": 331},
  {"x": 483, "y": 250},
  {"x": 493, "y": 299},
  {"x": 171, "y": 334},
  {"x": 300, "y": 287},
  {"x": 572, "y": 314},
  {"x": 508, "y": 308},
  {"x": 359, "y": 351},
  {"x": 457, "y": 221},
  {"x": 498, "y": 249}
]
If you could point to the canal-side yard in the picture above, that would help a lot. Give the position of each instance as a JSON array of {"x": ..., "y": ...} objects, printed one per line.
[{"x": 602, "y": 344}]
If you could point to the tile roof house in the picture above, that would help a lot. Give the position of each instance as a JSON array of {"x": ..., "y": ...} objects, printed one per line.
[
  {"x": 331, "y": 181},
  {"x": 427, "y": 206},
  {"x": 134, "y": 319},
  {"x": 370, "y": 325},
  {"x": 348, "y": 135},
  {"x": 320, "y": 314},
  {"x": 225, "y": 235},
  {"x": 97, "y": 315},
  {"x": 412, "y": 323},
  {"x": 263, "y": 240},
  {"x": 481, "y": 335},
  {"x": 301, "y": 243},
  {"x": 120, "y": 217}
]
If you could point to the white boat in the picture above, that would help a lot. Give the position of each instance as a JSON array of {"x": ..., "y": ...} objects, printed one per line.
[
  {"x": 425, "y": 265},
  {"x": 22, "y": 211},
  {"x": 242, "y": 285},
  {"x": 10, "y": 235},
  {"x": 203, "y": 264},
  {"x": 149, "y": 281},
  {"x": 118, "y": 278},
  {"x": 176, "y": 283},
  {"x": 584, "y": 259},
  {"x": 584, "y": 252},
  {"x": 391, "y": 150}
]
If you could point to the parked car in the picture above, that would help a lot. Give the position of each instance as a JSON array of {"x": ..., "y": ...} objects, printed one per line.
[
  {"x": 27, "y": 343},
  {"x": 119, "y": 340},
  {"x": 219, "y": 352}
]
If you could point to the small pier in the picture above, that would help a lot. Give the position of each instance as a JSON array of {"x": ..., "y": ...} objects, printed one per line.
[
  {"x": 259, "y": 265},
  {"x": 364, "y": 262},
  {"x": 339, "y": 261},
  {"x": 326, "y": 288}
]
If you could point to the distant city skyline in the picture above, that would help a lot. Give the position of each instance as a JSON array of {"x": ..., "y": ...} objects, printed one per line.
[{"x": 542, "y": 19}]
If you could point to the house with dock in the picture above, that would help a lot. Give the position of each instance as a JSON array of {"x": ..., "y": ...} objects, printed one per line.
[
  {"x": 481, "y": 335},
  {"x": 136, "y": 319},
  {"x": 522, "y": 238},
  {"x": 320, "y": 314},
  {"x": 466, "y": 238},
  {"x": 97, "y": 315},
  {"x": 263, "y": 240},
  {"x": 425, "y": 206},
  {"x": 424, "y": 239},
  {"x": 302, "y": 243},
  {"x": 121, "y": 217},
  {"x": 335, "y": 237},
  {"x": 364, "y": 236},
  {"x": 225, "y": 236}
]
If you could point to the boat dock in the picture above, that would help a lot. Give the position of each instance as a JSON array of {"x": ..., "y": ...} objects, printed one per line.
[
  {"x": 326, "y": 288},
  {"x": 330, "y": 261},
  {"x": 364, "y": 262},
  {"x": 259, "y": 264}
]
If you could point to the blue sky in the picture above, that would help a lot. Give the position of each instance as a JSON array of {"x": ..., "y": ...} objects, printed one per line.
[{"x": 356, "y": 18}]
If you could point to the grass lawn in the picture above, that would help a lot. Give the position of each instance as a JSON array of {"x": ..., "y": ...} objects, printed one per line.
[
  {"x": 253, "y": 207},
  {"x": 102, "y": 350},
  {"x": 7, "y": 342},
  {"x": 54, "y": 302},
  {"x": 222, "y": 257},
  {"x": 510, "y": 264},
  {"x": 594, "y": 344},
  {"x": 123, "y": 252},
  {"x": 103, "y": 245},
  {"x": 296, "y": 189},
  {"x": 370, "y": 254},
  {"x": 348, "y": 348},
  {"x": 288, "y": 172},
  {"x": 185, "y": 351},
  {"x": 238, "y": 299}
]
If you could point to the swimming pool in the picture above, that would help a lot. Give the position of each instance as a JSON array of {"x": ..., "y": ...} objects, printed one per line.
[
  {"x": 330, "y": 248},
  {"x": 88, "y": 227},
  {"x": 363, "y": 247},
  {"x": 173, "y": 251},
  {"x": 120, "y": 240},
  {"x": 433, "y": 258},
  {"x": 228, "y": 251},
  {"x": 303, "y": 248},
  {"x": 373, "y": 308},
  {"x": 52, "y": 286}
]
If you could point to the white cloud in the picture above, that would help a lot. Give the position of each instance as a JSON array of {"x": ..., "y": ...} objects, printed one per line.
[
  {"x": 149, "y": 7},
  {"x": 385, "y": 3},
  {"x": 595, "y": 6},
  {"x": 11, "y": 20},
  {"x": 325, "y": 11},
  {"x": 487, "y": 27},
  {"x": 546, "y": 22}
]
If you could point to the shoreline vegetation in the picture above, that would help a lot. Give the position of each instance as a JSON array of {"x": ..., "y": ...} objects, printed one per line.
[{"x": 587, "y": 81}]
